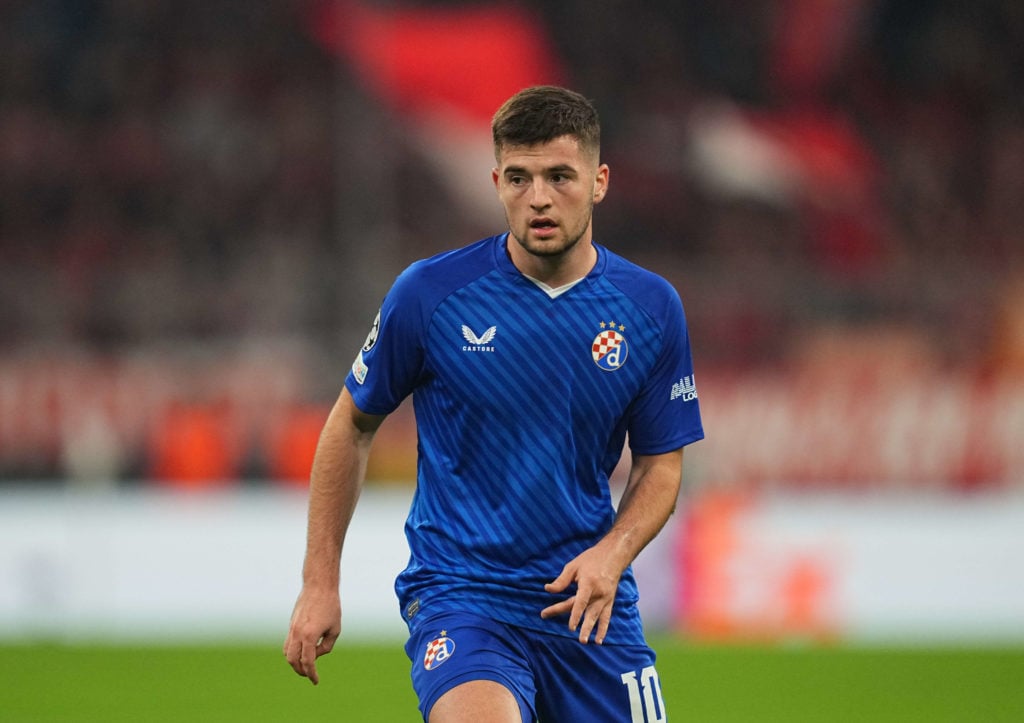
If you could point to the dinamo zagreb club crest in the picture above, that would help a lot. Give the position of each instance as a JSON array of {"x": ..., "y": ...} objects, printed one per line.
[
  {"x": 610, "y": 350},
  {"x": 438, "y": 651}
]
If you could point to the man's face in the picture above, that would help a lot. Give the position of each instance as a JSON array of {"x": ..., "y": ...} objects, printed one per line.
[{"x": 549, "y": 191}]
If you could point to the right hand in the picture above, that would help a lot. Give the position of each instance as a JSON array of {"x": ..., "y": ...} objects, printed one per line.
[{"x": 314, "y": 628}]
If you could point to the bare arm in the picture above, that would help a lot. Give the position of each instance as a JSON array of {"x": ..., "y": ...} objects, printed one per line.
[
  {"x": 339, "y": 468},
  {"x": 647, "y": 502}
]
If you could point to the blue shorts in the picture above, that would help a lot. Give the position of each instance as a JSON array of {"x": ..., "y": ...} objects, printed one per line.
[{"x": 554, "y": 678}]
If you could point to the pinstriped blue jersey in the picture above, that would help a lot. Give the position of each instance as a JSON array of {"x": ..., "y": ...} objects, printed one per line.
[{"x": 523, "y": 403}]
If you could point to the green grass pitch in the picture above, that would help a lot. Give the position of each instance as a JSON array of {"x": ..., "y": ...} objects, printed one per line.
[{"x": 367, "y": 683}]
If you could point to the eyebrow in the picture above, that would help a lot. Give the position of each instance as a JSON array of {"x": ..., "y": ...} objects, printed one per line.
[{"x": 560, "y": 168}]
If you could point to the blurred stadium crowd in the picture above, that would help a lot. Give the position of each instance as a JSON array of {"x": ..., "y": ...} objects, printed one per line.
[{"x": 181, "y": 180}]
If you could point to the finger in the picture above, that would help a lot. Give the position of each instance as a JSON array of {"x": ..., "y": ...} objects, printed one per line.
[
  {"x": 558, "y": 609},
  {"x": 561, "y": 582},
  {"x": 293, "y": 653},
  {"x": 326, "y": 644},
  {"x": 602, "y": 625},
  {"x": 579, "y": 610},
  {"x": 307, "y": 661},
  {"x": 587, "y": 624}
]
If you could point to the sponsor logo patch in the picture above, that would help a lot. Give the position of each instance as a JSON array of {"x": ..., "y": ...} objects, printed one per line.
[
  {"x": 478, "y": 343},
  {"x": 685, "y": 389}
]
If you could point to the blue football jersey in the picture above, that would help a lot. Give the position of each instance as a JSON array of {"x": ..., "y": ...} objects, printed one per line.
[{"x": 523, "y": 401}]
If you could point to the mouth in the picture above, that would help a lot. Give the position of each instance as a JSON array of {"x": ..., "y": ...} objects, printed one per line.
[{"x": 543, "y": 225}]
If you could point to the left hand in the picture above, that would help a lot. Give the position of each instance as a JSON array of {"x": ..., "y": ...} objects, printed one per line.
[{"x": 597, "y": 581}]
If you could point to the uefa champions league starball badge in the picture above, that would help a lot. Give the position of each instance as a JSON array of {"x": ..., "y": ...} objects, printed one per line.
[{"x": 610, "y": 349}]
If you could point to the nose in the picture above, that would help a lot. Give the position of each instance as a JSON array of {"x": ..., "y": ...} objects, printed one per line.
[{"x": 540, "y": 197}]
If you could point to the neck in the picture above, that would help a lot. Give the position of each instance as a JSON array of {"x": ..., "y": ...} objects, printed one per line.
[{"x": 556, "y": 269}]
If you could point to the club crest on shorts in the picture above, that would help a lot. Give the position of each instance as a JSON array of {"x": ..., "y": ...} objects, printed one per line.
[
  {"x": 438, "y": 651},
  {"x": 610, "y": 349}
]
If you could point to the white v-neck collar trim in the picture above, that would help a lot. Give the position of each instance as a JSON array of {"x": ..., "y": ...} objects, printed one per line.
[{"x": 554, "y": 293}]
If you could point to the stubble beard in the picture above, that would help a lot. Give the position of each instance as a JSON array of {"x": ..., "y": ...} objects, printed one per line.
[{"x": 548, "y": 250}]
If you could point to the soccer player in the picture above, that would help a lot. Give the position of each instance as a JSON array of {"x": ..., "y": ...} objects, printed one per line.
[{"x": 530, "y": 356}]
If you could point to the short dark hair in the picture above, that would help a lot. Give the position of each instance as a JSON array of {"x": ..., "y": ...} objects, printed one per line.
[{"x": 543, "y": 113}]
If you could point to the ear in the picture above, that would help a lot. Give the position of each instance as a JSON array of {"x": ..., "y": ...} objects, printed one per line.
[
  {"x": 495, "y": 178},
  {"x": 601, "y": 182}
]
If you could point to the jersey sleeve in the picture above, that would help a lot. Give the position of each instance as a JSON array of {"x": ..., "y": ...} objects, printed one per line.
[
  {"x": 390, "y": 362},
  {"x": 666, "y": 414}
]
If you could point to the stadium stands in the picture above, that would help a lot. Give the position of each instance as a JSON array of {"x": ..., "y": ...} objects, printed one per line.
[{"x": 191, "y": 182}]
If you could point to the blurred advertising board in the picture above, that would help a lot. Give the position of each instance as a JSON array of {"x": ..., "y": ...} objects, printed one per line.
[
  {"x": 860, "y": 567},
  {"x": 158, "y": 565}
]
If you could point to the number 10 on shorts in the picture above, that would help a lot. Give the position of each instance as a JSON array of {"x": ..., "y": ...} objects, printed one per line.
[{"x": 645, "y": 702}]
